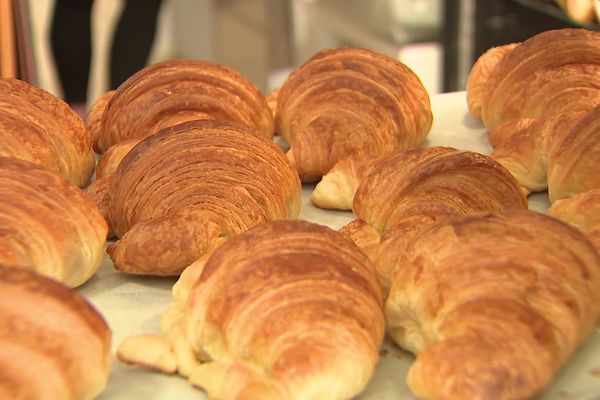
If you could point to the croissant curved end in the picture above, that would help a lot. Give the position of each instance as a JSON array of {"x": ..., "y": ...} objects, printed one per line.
[
  {"x": 334, "y": 191},
  {"x": 151, "y": 351}
]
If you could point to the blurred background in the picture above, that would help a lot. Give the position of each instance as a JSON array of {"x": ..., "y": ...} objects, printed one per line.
[{"x": 266, "y": 39}]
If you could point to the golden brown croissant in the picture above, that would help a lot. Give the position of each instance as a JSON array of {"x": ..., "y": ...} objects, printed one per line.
[
  {"x": 288, "y": 310},
  {"x": 48, "y": 224},
  {"x": 581, "y": 211},
  {"x": 175, "y": 91},
  {"x": 557, "y": 71},
  {"x": 413, "y": 189},
  {"x": 493, "y": 304},
  {"x": 349, "y": 101},
  {"x": 53, "y": 344},
  {"x": 180, "y": 193},
  {"x": 38, "y": 127}
]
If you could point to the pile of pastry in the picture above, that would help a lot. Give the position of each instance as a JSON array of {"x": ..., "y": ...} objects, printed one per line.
[{"x": 443, "y": 254}]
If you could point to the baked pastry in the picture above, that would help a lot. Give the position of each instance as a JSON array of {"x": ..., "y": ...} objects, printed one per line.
[
  {"x": 183, "y": 191},
  {"x": 349, "y": 101},
  {"x": 53, "y": 344},
  {"x": 337, "y": 187},
  {"x": 413, "y": 189},
  {"x": 560, "y": 153},
  {"x": 288, "y": 310},
  {"x": 493, "y": 304},
  {"x": 110, "y": 160},
  {"x": 48, "y": 224},
  {"x": 175, "y": 91},
  {"x": 581, "y": 211},
  {"x": 554, "y": 72},
  {"x": 38, "y": 127}
]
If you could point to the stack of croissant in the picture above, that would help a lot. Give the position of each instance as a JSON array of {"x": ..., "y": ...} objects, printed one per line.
[
  {"x": 443, "y": 254},
  {"x": 540, "y": 101},
  {"x": 52, "y": 238}
]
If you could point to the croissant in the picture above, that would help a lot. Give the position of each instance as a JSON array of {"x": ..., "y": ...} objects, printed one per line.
[
  {"x": 288, "y": 310},
  {"x": 413, "y": 189},
  {"x": 183, "y": 191},
  {"x": 554, "y": 72},
  {"x": 53, "y": 344},
  {"x": 349, "y": 101},
  {"x": 581, "y": 211},
  {"x": 38, "y": 127},
  {"x": 48, "y": 224},
  {"x": 493, "y": 304},
  {"x": 175, "y": 91},
  {"x": 560, "y": 153}
]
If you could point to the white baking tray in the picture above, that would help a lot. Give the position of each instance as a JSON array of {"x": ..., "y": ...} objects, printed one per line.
[{"x": 133, "y": 305}]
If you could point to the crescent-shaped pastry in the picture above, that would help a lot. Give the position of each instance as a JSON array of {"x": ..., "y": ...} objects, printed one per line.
[
  {"x": 53, "y": 344},
  {"x": 554, "y": 72},
  {"x": 288, "y": 310},
  {"x": 493, "y": 304},
  {"x": 182, "y": 192},
  {"x": 48, "y": 224},
  {"x": 38, "y": 127},
  {"x": 349, "y": 101},
  {"x": 175, "y": 91},
  {"x": 413, "y": 189}
]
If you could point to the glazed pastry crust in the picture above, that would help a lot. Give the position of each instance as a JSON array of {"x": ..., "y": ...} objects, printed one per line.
[
  {"x": 175, "y": 91},
  {"x": 48, "y": 224},
  {"x": 180, "y": 193},
  {"x": 38, "y": 127},
  {"x": 44, "y": 326},
  {"x": 349, "y": 101},
  {"x": 493, "y": 304}
]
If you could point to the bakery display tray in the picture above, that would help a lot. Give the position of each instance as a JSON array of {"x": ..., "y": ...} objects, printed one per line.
[{"x": 133, "y": 305}]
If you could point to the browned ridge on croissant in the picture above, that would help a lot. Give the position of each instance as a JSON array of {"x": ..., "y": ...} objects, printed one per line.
[
  {"x": 493, "y": 304},
  {"x": 176, "y": 91},
  {"x": 349, "y": 101},
  {"x": 38, "y": 127},
  {"x": 53, "y": 344},
  {"x": 48, "y": 224},
  {"x": 181, "y": 192}
]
